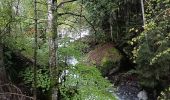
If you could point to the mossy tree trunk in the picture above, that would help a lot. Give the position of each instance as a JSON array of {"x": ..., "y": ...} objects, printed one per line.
[
  {"x": 52, "y": 38},
  {"x": 35, "y": 50}
]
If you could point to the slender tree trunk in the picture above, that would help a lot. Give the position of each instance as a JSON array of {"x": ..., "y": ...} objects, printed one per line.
[
  {"x": 81, "y": 11},
  {"x": 111, "y": 28},
  {"x": 143, "y": 12},
  {"x": 117, "y": 25},
  {"x": 35, "y": 50},
  {"x": 52, "y": 37},
  {"x": 3, "y": 77},
  {"x": 143, "y": 17}
]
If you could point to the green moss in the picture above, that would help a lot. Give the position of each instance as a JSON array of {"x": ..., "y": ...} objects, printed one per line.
[
  {"x": 110, "y": 60},
  {"x": 112, "y": 55}
]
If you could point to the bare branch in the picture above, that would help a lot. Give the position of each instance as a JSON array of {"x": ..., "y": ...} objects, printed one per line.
[
  {"x": 17, "y": 94},
  {"x": 43, "y": 3},
  {"x": 59, "y": 5},
  {"x": 74, "y": 14},
  {"x": 2, "y": 32},
  {"x": 156, "y": 18},
  {"x": 67, "y": 25}
]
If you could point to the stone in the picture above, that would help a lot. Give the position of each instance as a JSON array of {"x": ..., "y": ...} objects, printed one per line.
[
  {"x": 142, "y": 95},
  {"x": 128, "y": 91}
]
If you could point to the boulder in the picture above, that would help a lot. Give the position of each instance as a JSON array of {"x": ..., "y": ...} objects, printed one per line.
[
  {"x": 128, "y": 91},
  {"x": 142, "y": 95},
  {"x": 106, "y": 57}
]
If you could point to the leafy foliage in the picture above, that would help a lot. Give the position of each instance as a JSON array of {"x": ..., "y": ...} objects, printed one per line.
[
  {"x": 86, "y": 83},
  {"x": 165, "y": 95},
  {"x": 69, "y": 48},
  {"x": 102, "y": 9},
  {"x": 151, "y": 52},
  {"x": 43, "y": 79},
  {"x": 120, "y": 18}
]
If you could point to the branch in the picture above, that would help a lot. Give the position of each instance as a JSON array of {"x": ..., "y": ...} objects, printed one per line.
[
  {"x": 74, "y": 14},
  {"x": 43, "y": 3},
  {"x": 17, "y": 7},
  {"x": 59, "y": 5},
  {"x": 7, "y": 93},
  {"x": 11, "y": 85},
  {"x": 67, "y": 25},
  {"x": 162, "y": 13},
  {"x": 2, "y": 32}
]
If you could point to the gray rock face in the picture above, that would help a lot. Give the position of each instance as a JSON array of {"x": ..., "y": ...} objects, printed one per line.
[{"x": 128, "y": 91}]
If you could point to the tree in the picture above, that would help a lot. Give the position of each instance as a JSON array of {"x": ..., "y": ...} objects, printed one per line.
[
  {"x": 35, "y": 49},
  {"x": 143, "y": 12},
  {"x": 52, "y": 39},
  {"x": 3, "y": 77},
  {"x": 153, "y": 69},
  {"x": 6, "y": 20}
]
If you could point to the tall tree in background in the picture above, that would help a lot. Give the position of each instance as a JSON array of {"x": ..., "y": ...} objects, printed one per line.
[
  {"x": 143, "y": 12},
  {"x": 35, "y": 50},
  {"x": 52, "y": 38},
  {"x": 153, "y": 69},
  {"x": 5, "y": 28}
]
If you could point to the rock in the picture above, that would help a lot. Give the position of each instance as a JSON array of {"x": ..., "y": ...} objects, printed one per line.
[
  {"x": 106, "y": 57},
  {"x": 72, "y": 61},
  {"x": 128, "y": 91},
  {"x": 142, "y": 95},
  {"x": 103, "y": 53}
]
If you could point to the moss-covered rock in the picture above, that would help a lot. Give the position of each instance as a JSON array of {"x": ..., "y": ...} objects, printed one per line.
[{"x": 106, "y": 57}]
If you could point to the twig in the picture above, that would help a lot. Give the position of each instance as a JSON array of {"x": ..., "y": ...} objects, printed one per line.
[
  {"x": 74, "y": 14},
  {"x": 7, "y": 93},
  {"x": 161, "y": 13},
  {"x": 12, "y": 85},
  {"x": 65, "y": 2}
]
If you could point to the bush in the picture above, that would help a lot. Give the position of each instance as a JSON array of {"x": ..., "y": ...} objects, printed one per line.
[
  {"x": 165, "y": 95},
  {"x": 85, "y": 83}
]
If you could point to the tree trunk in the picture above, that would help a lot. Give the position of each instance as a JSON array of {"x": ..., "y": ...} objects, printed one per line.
[
  {"x": 81, "y": 11},
  {"x": 35, "y": 50},
  {"x": 52, "y": 38},
  {"x": 111, "y": 28},
  {"x": 143, "y": 12},
  {"x": 3, "y": 78}
]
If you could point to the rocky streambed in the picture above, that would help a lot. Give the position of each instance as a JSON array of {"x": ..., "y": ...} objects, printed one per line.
[
  {"x": 130, "y": 90},
  {"x": 127, "y": 87}
]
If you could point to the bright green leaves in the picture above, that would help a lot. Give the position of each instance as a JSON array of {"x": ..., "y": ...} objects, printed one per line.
[
  {"x": 70, "y": 49},
  {"x": 160, "y": 55},
  {"x": 98, "y": 13},
  {"x": 43, "y": 79},
  {"x": 85, "y": 83},
  {"x": 157, "y": 9},
  {"x": 151, "y": 51}
]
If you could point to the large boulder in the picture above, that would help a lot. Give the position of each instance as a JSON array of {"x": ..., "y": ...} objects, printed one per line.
[
  {"x": 128, "y": 91},
  {"x": 106, "y": 57},
  {"x": 131, "y": 90},
  {"x": 128, "y": 87}
]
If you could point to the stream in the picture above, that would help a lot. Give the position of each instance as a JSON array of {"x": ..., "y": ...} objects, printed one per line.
[{"x": 129, "y": 90}]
